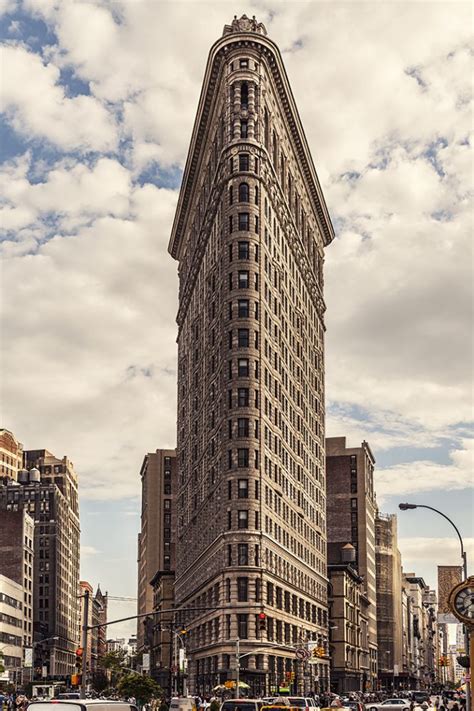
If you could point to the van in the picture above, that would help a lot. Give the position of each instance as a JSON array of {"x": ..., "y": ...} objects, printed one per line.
[
  {"x": 81, "y": 705},
  {"x": 186, "y": 703}
]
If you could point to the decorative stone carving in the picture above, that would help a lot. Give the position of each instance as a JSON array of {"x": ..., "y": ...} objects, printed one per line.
[{"x": 245, "y": 24}]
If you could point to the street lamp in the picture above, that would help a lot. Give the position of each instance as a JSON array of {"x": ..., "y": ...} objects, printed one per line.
[{"x": 409, "y": 507}]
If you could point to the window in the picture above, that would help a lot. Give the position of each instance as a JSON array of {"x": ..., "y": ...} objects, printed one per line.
[
  {"x": 242, "y": 554},
  {"x": 244, "y": 161},
  {"x": 229, "y": 520},
  {"x": 244, "y": 279},
  {"x": 243, "y": 308},
  {"x": 244, "y": 337},
  {"x": 269, "y": 593},
  {"x": 244, "y": 96},
  {"x": 243, "y": 518},
  {"x": 243, "y": 397},
  {"x": 242, "y": 458},
  {"x": 229, "y": 555},
  {"x": 244, "y": 63},
  {"x": 244, "y": 192},
  {"x": 353, "y": 503},
  {"x": 243, "y": 368},
  {"x": 227, "y": 589},
  {"x": 256, "y": 194},
  {"x": 258, "y": 588},
  {"x": 167, "y": 504},
  {"x": 244, "y": 250},
  {"x": 231, "y": 223},
  {"x": 231, "y": 195},
  {"x": 244, "y": 128},
  {"x": 231, "y": 165},
  {"x": 242, "y": 589},
  {"x": 242, "y": 626},
  {"x": 244, "y": 221},
  {"x": 243, "y": 427},
  {"x": 243, "y": 488}
]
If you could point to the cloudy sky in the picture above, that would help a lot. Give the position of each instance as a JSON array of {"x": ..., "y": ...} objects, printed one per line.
[{"x": 98, "y": 103}]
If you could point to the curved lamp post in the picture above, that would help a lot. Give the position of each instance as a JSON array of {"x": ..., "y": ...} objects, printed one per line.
[{"x": 409, "y": 507}]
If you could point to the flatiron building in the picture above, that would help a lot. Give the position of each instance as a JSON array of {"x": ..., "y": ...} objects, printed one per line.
[{"x": 249, "y": 235}]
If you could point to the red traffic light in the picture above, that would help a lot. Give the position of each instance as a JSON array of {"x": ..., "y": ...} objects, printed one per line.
[
  {"x": 262, "y": 616},
  {"x": 79, "y": 652}
]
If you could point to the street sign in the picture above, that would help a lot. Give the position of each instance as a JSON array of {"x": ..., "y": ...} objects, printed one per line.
[
  {"x": 146, "y": 662},
  {"x": 27, "y": 657},
  {"x": 302, "y": 654}
]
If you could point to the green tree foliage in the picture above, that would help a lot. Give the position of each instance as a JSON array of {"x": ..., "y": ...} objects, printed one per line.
[
  {"x": 113, "y": 664},
  {"x": 143, "y": 688}
]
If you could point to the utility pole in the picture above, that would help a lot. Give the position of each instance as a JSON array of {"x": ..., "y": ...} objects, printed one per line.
[
  {"x": 237, "y": 671},
  {"x": 84, "y": 642}
]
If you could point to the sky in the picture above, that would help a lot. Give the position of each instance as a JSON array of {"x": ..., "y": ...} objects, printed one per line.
[{"x": 98, "y": 104}]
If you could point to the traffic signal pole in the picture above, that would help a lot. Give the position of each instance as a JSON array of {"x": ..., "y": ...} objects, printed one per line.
[{"x": 84, "y": 642}]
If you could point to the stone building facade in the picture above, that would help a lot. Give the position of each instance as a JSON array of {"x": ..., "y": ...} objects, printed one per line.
[
  {"x": 389, "y": 601},
  {"x": 11, "y": 455},
  {"x": 249, "y": 234},
  {"x": 17, "y": 562},
  {"x": 11, "y": 622},
  {"x": 349, "y": 624},
  {"x": 157, "y": 537},
  {"x": 351, "y": 509},
  {"x": 47, "y": 490}
]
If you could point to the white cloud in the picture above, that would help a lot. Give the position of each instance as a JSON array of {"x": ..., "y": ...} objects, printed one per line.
[
  {"x": 415, "y": 477},
  {"x": 91, "y": 312},
  {"x": 88, "y": 551},
  {"x": 36, "y": 104},
  {"x": 445, "y": 551}
]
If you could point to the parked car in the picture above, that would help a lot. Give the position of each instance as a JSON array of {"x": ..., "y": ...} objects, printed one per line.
[
  {"x": 353, "y": 705},
  {"x": 69, "y": 695},
  {"x": 389, "y": 705}
]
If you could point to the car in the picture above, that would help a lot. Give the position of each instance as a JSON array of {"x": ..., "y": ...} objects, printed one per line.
[
  {"x": 420, "y": 696},
  {"x": 242, "y": 705},
  {"x": 69, "y": 695},
  {"x": 353, "y": 705},
  {"x": 389, "y": 705},
  {"x": 303, "y": 702},
  {"x": 81, "y": 705},
  {"x": 185, "y": 703}
]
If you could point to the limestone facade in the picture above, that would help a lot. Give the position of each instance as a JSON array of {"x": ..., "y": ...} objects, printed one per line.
[{"x": 249, "y": 234}]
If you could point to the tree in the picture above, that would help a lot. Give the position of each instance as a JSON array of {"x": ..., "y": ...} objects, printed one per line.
[
  {"x": 114, "y": 665},
  {"x": 143, "y": 688}
]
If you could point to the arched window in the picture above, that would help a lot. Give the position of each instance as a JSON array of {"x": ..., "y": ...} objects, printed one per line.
[
  {"x": 244, "y": 96},
  {"x": 243, "y": 192}
]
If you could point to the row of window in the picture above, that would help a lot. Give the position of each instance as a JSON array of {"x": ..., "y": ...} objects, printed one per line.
[
  {"x": 243, "y": 252},
  {"x": 242, "y": 489},
  {"x": 243, "y": 338},
  {"x": 243, "y": 458},
  {"x": 243, "y": 193},
  {"x": 243, "y": 428},
  {"x": 242, "y": 224},
  {"x": 243, "y": 280},
  {"x": 243, "y": 162},
  {"x": 243, "y": 368}
]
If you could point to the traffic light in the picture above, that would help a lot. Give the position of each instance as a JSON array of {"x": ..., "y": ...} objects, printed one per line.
[
  {"x": 79, "y": 661},
  {"x": 262, "y": 621}
]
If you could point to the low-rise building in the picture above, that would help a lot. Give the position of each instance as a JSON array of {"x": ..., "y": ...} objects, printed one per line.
[
  {"x": 389, "y": 601},
  {"x": 11, "y": 627},
  {"x": 348, "y": 624}
]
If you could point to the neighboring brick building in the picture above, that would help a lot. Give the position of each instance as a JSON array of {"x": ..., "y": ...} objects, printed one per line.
[
  {"x": 351, "y": 509},
  {"x": 157, "y": 537},
  {"x": 249, "y": 235}
]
